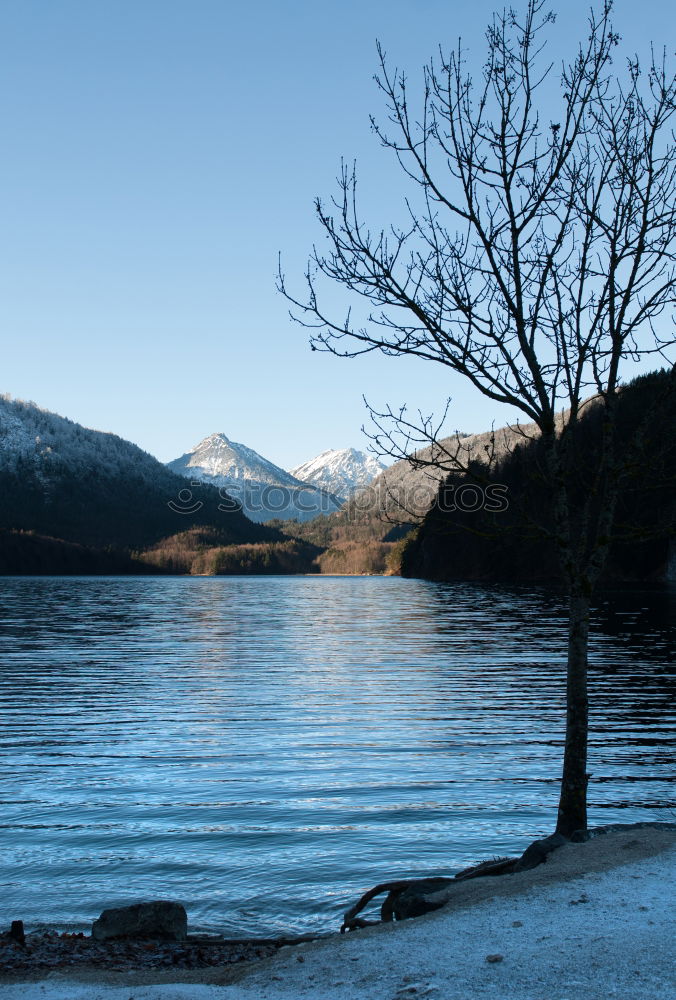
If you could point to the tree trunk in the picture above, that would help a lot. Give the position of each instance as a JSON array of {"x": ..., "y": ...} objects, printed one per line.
[{"x": 573, "y": 802}]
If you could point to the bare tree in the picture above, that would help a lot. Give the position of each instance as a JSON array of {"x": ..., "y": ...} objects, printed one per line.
[{"x": 538, "y": 262}]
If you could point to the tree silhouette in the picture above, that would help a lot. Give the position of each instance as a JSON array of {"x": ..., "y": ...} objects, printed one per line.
[{"x": 537, "y": 262}]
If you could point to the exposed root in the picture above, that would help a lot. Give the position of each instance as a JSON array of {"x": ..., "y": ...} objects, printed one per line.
[
  {"x": 394, "y": 890},
  {"x": 349, "y": 921}
]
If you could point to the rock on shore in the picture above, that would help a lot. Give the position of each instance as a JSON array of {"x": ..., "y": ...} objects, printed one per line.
[{"x": 159, "y": 919}]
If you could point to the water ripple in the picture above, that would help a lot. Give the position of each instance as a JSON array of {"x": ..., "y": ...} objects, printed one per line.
[{"x": 265, "y": 748}]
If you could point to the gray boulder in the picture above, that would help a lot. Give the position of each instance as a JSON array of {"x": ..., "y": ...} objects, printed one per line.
[{"x": 159, "y": 919}]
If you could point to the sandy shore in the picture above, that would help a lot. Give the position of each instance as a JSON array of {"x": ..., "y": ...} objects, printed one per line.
[{"x": 595, "y": 922}]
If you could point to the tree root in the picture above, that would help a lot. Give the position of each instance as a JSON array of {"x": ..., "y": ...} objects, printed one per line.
[{"x": 394, "y": 890}]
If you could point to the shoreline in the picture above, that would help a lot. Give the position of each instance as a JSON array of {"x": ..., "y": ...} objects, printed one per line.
[{"x": 597, "y": 906}]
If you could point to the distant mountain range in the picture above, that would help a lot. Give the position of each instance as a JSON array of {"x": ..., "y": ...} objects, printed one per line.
[
  {"x": 266, "y": 491},
  {"x": 74, "y": 500},
  {"x": 86, "y": 487}
]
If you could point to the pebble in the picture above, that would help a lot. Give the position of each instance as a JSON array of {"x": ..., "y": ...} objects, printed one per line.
[
  {"x": 495, "y": 958},
  {"x": 50, "y": 950}
]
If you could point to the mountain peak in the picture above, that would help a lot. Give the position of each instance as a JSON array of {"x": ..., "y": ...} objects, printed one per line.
[{"x": 342, "y": 471}]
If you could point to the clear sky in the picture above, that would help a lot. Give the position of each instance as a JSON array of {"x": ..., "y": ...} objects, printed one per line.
[{"x": 156, "y": 156}]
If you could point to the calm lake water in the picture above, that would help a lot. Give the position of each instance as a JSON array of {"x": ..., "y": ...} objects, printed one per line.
[{"x": 265, "y": 749}]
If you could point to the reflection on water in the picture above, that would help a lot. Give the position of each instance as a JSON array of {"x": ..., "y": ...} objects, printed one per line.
[{"x": 263, "y": 749}]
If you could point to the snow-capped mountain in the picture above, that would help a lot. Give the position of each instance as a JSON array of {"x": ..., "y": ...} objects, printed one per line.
[
  {"x": 264, "y": 489},
  {"x": 342, "y": 472}
]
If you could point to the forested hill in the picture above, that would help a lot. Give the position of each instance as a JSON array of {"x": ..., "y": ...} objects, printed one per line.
[
  {"x": 509, "y": 545},
  {"x": 61, "y": 480}
]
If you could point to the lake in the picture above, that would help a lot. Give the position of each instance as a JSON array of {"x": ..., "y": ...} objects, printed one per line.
[{"x": 264, "y": 749}]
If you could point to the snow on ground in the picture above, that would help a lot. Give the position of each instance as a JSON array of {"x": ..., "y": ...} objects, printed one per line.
[{"x": 561, "y": 935}]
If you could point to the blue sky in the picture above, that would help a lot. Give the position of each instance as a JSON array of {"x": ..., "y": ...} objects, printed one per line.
[{"x": 156, "y": 157}]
